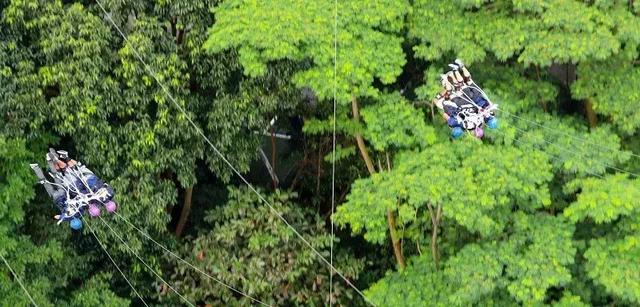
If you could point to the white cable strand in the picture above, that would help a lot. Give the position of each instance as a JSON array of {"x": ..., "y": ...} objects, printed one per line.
[
  {"x": 143, "y": 262},
  {"x": 333, "y": 154},
  {"x": 114, "y": 262},
  {"x": 215, "y": 149},
  {"x": 18, "y": 280},
  {"x": 576, "y": 153},
  {"x": 556, "y": 131},
  {"x": 584, "y": 141},
  {"x": 554, "y": 157},
  {"x": 186, "y": 262}
]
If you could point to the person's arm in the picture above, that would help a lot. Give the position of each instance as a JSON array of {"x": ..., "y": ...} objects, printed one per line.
[
  {"x": 438, "y": 101},
  {"x": 60, "y": 202},
  {"x": 450, "y": 112},
  {"x": 446, "y": 116},
  {"x": 59, "y": 164}
]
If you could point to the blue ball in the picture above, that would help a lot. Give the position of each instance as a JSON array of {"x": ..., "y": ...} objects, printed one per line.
[
  {"x": 457, "y": 132},
  {"x": 75, "y": 224},
  {"x": 492, "y": 123}
]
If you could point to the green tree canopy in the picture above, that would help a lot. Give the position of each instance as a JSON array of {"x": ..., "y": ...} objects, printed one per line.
[
  {"x": 303, "y": 31},
  {"x": 250, "y": 247}
]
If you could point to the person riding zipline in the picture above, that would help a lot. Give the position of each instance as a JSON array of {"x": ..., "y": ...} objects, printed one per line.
[
  {"x": 74, "y": 189},
  {"x": 464, "y": 104}
]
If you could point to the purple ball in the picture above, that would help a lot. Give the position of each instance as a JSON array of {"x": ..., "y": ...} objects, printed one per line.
[
  {"x": 111, "y": 207},
  {"x": 94, "y": 210},
  {"x": 479, "y": 132}
]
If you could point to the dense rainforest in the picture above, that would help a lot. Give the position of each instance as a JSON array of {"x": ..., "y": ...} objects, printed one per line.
[{"x": 215, "y": 122}]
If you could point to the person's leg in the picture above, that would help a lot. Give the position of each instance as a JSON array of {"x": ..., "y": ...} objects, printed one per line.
[
  {"x": 53, "y": 167},
  {"x": 110, "y": 191},
  {"x": 94, "y": 182},
  {"x": 478, "y": 98},
  {"x": 60, "y": 199},
  {"x": 481, "y": 102},
  {"x": 451, "y": 112},
  {"x": 453, "y": 122}
]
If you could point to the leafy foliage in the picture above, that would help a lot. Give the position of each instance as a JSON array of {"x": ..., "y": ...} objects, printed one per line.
[
  {"x": 569, "y": 300},
  {"x": 393, "y": 124},
  {"x": 537, "y": 255},
  {"x": 536, "y": 32},
  {"x": 250, "y": 247},
  {"x": 477, "y": 196},
  {"x": 541, "y": 211},
  {"x": 304, "y": 31},
  {"x": 557, "y": 138},
  {"x": 612, "y": 88},
  {"x": 96, "y": 293},
  {"x": 603, "y": 200},
  {"x": 614, "y": 265},
  {"x": 32, "y": 263},
  {"x": 533, "y": 259}
]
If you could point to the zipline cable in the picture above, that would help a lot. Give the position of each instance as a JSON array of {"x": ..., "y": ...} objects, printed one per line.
[
  {"x": 144, "y": 234},
  {"x": 215, "y": 149},
  {"x": 143, "y": 262},
  {"x": 220, "y": 282},
  {"x": 577, "y": 153},
  {"x": 333, "y": 150},
  {"x": 215, "y": 279},
  {"x": 18, "y": 280},
  {"x": 469, "y": 99},
  {"x": 554, "y": 157},
  {"x": 584, "y": 141},
  {"x": 114, "y": 262}
]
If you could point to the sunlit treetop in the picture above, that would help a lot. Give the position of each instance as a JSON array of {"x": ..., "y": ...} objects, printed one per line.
[
  {"x": 572, "y": 150},
  {"x": 613, "y": 86},
  {"x": 604, "y": 200},
  {"x": 304, "y": 31},
  {"x": 537, "y": 32},
  {"x": 476, "y": 195},
  {"x": 614, "y": 265},
  {"x": 394, "y": 124},
  {"x": 533, "y": 257}
]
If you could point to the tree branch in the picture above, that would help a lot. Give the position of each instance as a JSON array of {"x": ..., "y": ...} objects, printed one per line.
[
  {"x": 186, "y": 209},
  {"x": 359, "y": 139}
]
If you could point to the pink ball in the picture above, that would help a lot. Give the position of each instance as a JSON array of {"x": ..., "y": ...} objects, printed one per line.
[
  {"x": 111, "y": 207},
  {"x": 479, "y": 132},
  {"x": 94, "y": 210}
]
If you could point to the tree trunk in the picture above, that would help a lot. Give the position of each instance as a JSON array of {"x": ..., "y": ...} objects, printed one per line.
[
  {"x": 543, "y": 103},
  {"x": 361, "y": 145},
  {"x": 186, "y": 209},
  {"x": 391, "y": 219},
  {"x": 395, "y": 241},
  {"x": 591, "y": 114},
  {"x": 435, "y": 222}
]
